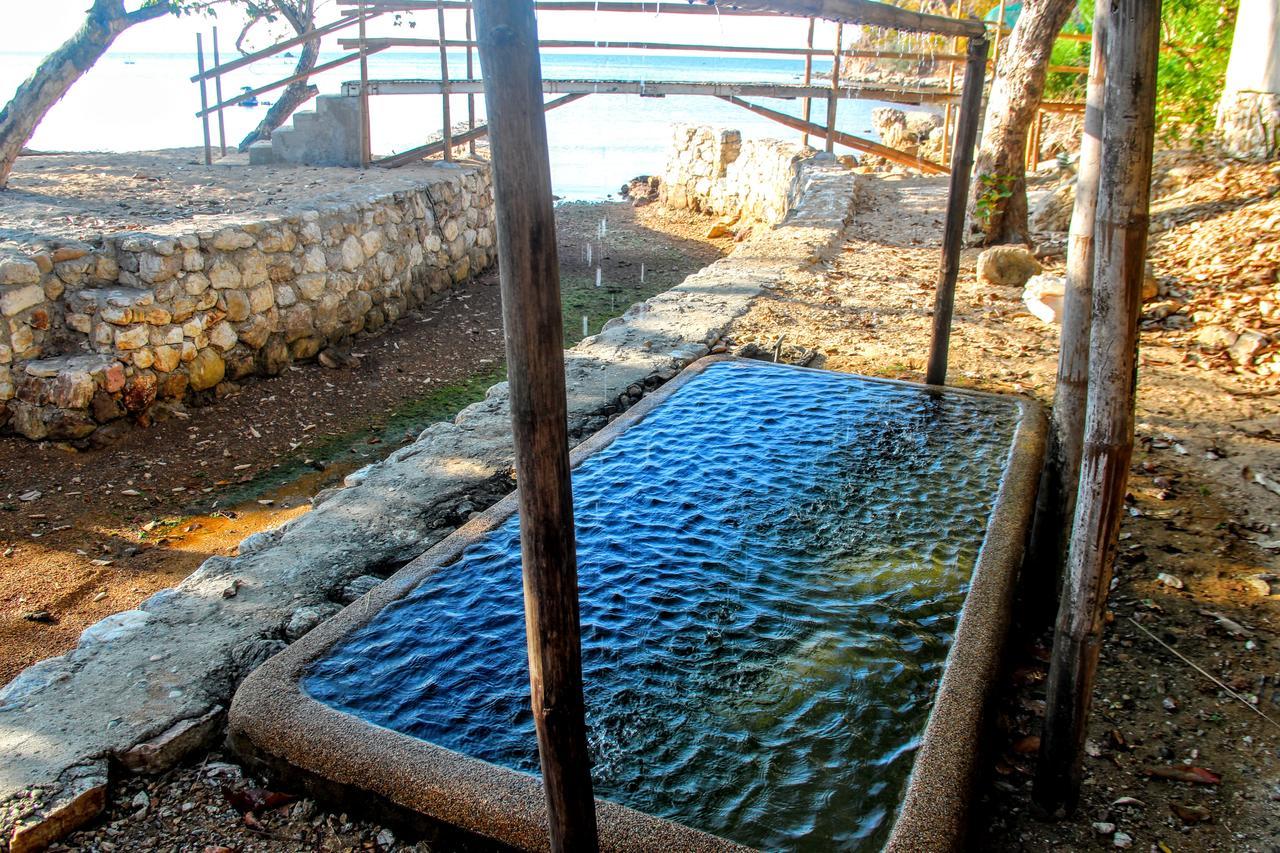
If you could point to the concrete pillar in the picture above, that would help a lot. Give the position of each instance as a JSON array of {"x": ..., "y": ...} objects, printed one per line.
[{"x": 1249, "y": 112}]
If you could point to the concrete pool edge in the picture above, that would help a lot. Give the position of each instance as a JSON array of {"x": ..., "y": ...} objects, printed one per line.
[{"x": 274, "y": 723}]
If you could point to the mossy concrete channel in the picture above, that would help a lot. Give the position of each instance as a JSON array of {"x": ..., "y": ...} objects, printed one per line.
[{"x": 145, "y": 688}]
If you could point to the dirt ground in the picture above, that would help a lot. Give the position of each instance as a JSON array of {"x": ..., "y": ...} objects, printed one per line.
[
  {"x": 1199, "y": 533},
  {"x": 84, "y": 535}
]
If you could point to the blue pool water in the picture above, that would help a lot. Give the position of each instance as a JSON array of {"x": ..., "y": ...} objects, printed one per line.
[{"x": 771, "y": 565}]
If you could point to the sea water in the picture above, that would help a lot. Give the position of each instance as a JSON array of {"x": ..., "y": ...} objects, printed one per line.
[
  {"x": 771, "y": 565},
  {"x": 145, "y": 101}
]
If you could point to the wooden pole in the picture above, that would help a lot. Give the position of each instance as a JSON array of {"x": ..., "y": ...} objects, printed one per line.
[
  {"x": 217, "y": 92},
  {"x": 471, "y": 73},
  {"x": 529, "y": 275},
  {"x": 832, "y": 100},
  {"x": 807, "y": 111},
  {"x": 975, "y": 71},
  {"x": 946, "y": 118},
  {"x": 995, "y": 49},
  {"x": 204, "y": 100},
  {"x": 1056, "y": 498},
  {"x": 444, "y": 85},
  {"x": 366, "y": 136},
  {"x": 1124, "y": 193}
]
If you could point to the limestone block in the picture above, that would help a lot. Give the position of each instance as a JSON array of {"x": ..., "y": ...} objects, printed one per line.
[
  {"x": 1007, "y": 266},
  {"x": 143, "y": 358},
  {"x": 253, "y": 268},
  {"x": 192, "y": 260},
  {"x": 185, "y": 306},
  {"x": 372, "y": 242},
  {"x": 223, "y": 336},
  {"x": 230, "y": 239},
  {"x": 237, "y": 305},
  {"x": 140, "y": 392},
  {"x": 15, "y": 269},
  {"x": 352, "y": 254},
  {"x": 195, "y": 283},
  {"x": 15, "y": 300},
  {"x": 132, "y": 338},
  {"x": 312, "y": 286},
  {"x": 167, "y": 357},
  {"x": 285, "y": 296},
  {"x": 254, "y": 332},
  {"x": 157, "y": 268},
  {"x": 314, "y": 261},
  {"x": 206, "y": 369},
  {"x": 298, "y": 322},
  {"x": 261, "y": 298},
  {"x": 224, "y": 275},
  {"x": 53, "y": 287}
]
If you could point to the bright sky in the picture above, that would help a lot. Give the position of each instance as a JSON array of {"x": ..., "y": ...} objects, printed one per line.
[{"x": 41, "y": 27}]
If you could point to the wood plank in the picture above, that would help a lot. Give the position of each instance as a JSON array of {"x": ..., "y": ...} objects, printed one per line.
[
  {"x": 325, "y": 66},
  {"x": 957, "y": 200},
  {"x": 447, "y": 131},
  {"x": 846, "y": 139},
  {"x": 432, "y": 148},
  {"x": 249, "y": 58},
  {"x": 845, "y": 11},
  {"x": 657, "y": 88},
  {"x": 1120, "y": 243},
  {"x": 529, "y": 276},
  {"x": 832, "y": 100}
]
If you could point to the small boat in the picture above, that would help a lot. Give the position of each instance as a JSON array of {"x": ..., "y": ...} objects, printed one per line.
[{"x": 252, "y": 100}]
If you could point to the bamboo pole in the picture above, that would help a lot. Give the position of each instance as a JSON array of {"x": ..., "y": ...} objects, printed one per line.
[
  {"x": 529, "y": 276},
  {"x": 325, "y": 66},
  {"x": 204, "y": 100},
  {"x": 832, "y": 100},
  {"x": 279, "y": 47},
  {"x": 957, "y": 197},
  {"x": 471, "y": 73},
  {"x": 1121, "y": 223},
  {"x": 1056, "y": 498},
  {"x": 946, "y": 117},
  {"x": 995, "y": 49},
  {"x": 366, "y": 137},
  {"x": 447, "y": 135},
  {"x": 217, "y": 93},
  {"x": 807, "y": 111}
]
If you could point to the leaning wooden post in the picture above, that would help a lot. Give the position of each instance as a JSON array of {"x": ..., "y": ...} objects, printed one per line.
[
  {"x": 217, "y": 93},
  {"x": 1056, "y": 499},
  {"x": 832, "y": 100},
  {"x": 471, "y": 73},
  {"x": 1120, "y": 244},
  {"x": 808, "y": 78},
  {"x": 444, "y": 84},
  {"x": 975, "y": 72},
  {"x": 204, "y": 100},
  {"x": 366, "y": 137},
  {"x": 530, "y": 281},
  {"x": 946, "y": 120}
]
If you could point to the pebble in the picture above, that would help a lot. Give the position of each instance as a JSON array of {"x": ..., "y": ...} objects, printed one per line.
[
  {"x": 1122, "y": 839},
  {"x": 1104, "y": 828}
]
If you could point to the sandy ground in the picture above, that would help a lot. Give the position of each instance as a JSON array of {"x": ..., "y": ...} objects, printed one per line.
[{"x": 111, "y": 526}]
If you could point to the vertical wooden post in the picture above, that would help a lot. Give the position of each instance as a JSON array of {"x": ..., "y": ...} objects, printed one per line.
[
  {"x": 444, "y": 84},
  {"x": 1120, "y": 243},
  {"x": 1056, "y": 499},
  {"x": 832, "y": 100},
  {"x": 946, "y": 116},
  {"x": 366, "y": 139},
  {"x": 808, "y": 78},
  {"x": 217, "y": 93},
  {"x": 471, "y": 74},
  {"x": 530, "y": 281},
  {"x": 204, "y": 100},
  {"x": 975, "y": 71},
  {"x": 995, "y": 49}
]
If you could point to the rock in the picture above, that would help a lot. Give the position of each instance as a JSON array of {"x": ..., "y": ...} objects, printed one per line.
[
  {"x": 306, "y": 618},
  {"x": 1246, "y": 345},
  {"x": 140, "y": 393},
  {"x": 358, "y": 587},
  {"x": 1215, "y": 337},
  {"x": 15, "y": 269},
  {"x": 352, "y": 254},
  {"x": 1043, "y": 297},
  {"x": 1150, "y": 285},
  {"x": 223, "y": 336},
  {"x": 1122, "y": 840},
  {"x": 1171, "y": 581},
  {"x": 206, "y": 369},
  {"x": 237, "y": 305},
  {"x": 920, "y": 124},
  {"x": 181, "y": 739},
  {"x": 81, "y": 798},
  {"x": 1007, "y": 266},
  {"x": 1053, "y": 211},
  {"x": 14, "y": 301},
  {"x": 273, "y": 357}
]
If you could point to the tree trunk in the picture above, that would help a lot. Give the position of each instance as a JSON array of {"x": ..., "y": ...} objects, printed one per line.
[
  {"x": 1249, "y": 111},
  {"x": 1016, "y": 93},
  {"x": 298, "y": 92},
  {"x": 105, "y": 20}
]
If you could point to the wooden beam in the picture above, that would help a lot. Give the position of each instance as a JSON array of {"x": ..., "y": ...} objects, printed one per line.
[
  {"x": 471, "y": 72},
  {"x": 1120, "y": 243},
  {"x": 431, "y": 148},
  {"x": 957, "y": 199},
  {"x": 325, "y": 66},
  {"x": 204, "y": 100},
  {"x": 366, "y": 131},
  {"x": 217, "y": 94},
  {"x": 846, "y": 139},
  {"x": 862, "y": 12},
  {"x": 1056, "y": 498},
  {"x": 447, "y": 133},
  {"x": 529, "y": 275},
  {"x": 279, "y": 47},
  {"x": 658, "y": 88},
  {"x": 832, "y": 100},
  {"x": 807, "y": 110}
]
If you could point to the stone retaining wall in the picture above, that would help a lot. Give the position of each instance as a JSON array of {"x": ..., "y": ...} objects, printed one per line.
[
  {"x": 93, "y": 333},
  {"x": 712, "y": 170}
]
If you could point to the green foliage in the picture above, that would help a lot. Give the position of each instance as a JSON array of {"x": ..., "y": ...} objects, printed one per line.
[
  {"x": 993, "y": 190},
  {"x": 1192, "y": 67}
]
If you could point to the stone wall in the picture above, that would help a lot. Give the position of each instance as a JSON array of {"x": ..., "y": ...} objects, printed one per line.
[
  {"x": 94, "y": 333},
  {"x": 711, "y": 170}
]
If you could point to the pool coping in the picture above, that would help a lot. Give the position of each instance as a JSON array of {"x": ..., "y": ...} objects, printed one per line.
[{"x": 274, "y": 724}]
